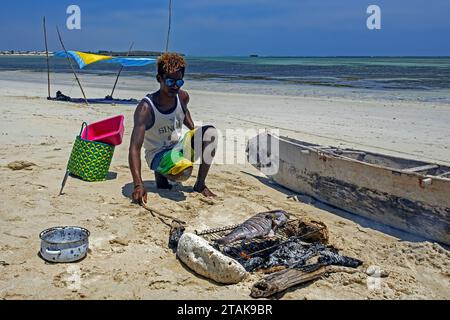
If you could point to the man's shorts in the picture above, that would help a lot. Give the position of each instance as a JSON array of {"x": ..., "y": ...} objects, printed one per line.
[
  {"x": 175, "y": 159},
  {"x": 179, "y": 157}
]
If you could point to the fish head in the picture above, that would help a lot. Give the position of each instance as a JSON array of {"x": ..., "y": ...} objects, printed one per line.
[{"x": 279, "y": 218}]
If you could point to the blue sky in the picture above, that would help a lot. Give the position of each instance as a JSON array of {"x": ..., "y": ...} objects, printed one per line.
[{"x": 234, "y": 27}]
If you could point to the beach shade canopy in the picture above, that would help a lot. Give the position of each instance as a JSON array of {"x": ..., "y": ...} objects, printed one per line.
[{"x": 83, "y": 59}]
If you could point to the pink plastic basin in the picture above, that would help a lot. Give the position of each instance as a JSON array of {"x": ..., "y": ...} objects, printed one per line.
[{"x": 109, "y": 131}]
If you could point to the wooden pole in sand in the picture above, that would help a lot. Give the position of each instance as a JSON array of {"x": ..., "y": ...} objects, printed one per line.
[
  {"x": 170, "y": 22},
  {"x": 71, "y": 66},
  {"x": 120, "y": 70},
  {"x": 48, "y": 66}
]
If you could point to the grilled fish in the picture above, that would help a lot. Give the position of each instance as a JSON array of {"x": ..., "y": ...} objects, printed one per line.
[{"x": 260, "y": 225}]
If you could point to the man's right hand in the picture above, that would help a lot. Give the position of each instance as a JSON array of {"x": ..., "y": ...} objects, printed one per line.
[
  {"x": 139, "y": 194},
  {"x": 141, "y": 115}
]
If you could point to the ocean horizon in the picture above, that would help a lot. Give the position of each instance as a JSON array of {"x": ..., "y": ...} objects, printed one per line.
[{"x": 424, "y": 78}]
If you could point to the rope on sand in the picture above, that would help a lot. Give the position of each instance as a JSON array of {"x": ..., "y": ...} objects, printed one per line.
[{"x": 153, "y": 212}]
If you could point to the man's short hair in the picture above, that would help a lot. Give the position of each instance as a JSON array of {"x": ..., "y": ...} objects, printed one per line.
[{"x": 170, "y": 62}]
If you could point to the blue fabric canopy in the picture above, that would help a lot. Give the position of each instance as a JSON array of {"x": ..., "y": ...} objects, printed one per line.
[
  {"x": 83, "y": 59},
  {"x": 132, "y": 62}
]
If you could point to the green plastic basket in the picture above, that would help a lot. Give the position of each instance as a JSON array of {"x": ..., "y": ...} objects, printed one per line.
[{"x": 90, "y": 160}]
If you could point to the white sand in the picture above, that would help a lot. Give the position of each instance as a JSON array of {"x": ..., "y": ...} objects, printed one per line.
[{"x": 140, "y": 265}]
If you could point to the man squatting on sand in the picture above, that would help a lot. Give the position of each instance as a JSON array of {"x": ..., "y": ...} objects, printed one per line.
[{"x": 158, "y": 121}]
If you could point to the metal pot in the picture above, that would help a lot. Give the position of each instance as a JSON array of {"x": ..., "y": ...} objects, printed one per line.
[{"x": 64, "y": 244}]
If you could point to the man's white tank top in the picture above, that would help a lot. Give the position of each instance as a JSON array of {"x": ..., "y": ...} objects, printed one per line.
[{"x": 165, "y": 132}]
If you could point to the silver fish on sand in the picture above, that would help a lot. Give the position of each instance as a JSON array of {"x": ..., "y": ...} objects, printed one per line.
[{"x": 258, "y": 226}]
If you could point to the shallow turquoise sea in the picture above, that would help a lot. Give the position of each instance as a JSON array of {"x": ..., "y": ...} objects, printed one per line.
[{"x": 430, "y": 76}]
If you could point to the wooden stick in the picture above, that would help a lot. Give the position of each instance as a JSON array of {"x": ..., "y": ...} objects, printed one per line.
[
  {"x": 71, "y": 66},
  {"x": 120, "y": 70},
  {"x": 282, "y": 280},
  {"x": 48, "y": 66},
  {"x": 63, "y": 183},
  {"x": 170, "y": 22}
]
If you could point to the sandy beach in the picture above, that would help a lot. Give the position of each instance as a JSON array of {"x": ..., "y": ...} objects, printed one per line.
[{"x": 129, "y": 257}]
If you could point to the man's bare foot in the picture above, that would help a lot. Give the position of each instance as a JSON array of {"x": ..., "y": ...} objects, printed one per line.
[
  {"x": 162, "y": 182},
  {"x": 204, "y": 191}
]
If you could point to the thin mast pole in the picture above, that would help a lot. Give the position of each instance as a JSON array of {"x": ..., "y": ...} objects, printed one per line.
[
  {"x": 120, "y": 70},
  {"x": 170, "y": 22},
  {"x": 48, "y": 66},
  {"x": 71, "y": 66}
]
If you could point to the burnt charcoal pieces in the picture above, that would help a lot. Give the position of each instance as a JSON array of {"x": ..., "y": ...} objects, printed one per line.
[{"x": 290, "y": 254}]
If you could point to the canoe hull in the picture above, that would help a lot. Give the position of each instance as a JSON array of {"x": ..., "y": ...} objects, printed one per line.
[{"x": 390, "y": 196}]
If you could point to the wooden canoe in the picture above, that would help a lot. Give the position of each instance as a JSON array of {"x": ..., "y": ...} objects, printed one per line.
[{"x": 409, "y": 195}]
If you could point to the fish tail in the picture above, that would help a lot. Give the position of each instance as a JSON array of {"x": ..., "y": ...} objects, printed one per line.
[
  {"x": 224, "y": 240},
  {"x": 229, "y": 238}
]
